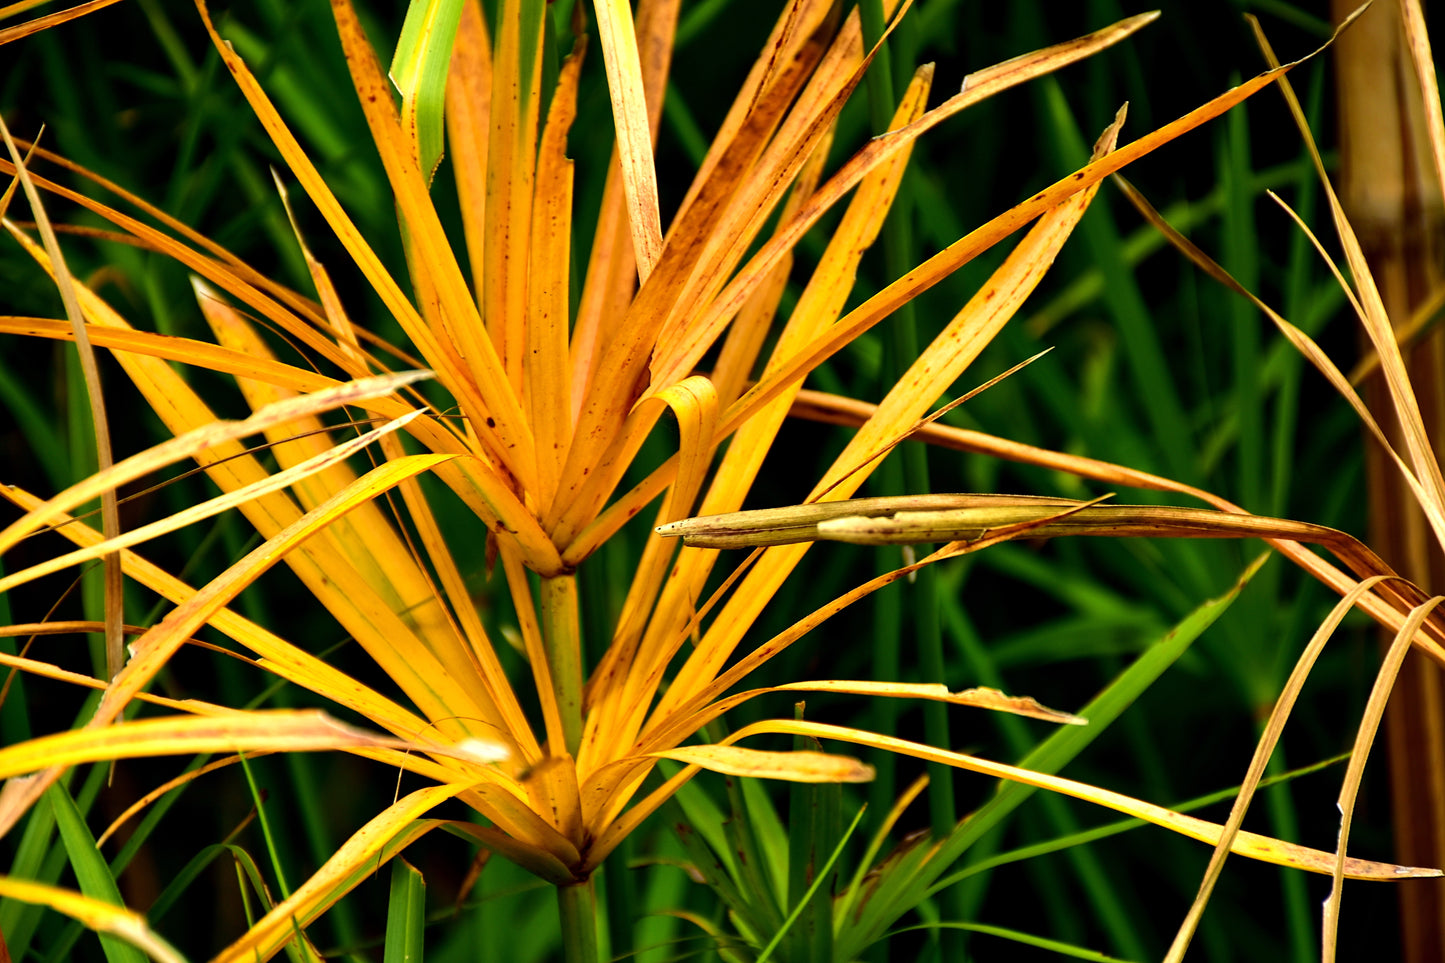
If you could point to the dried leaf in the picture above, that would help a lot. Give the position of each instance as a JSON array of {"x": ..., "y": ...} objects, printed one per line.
[{"x": 800, "y": 766}]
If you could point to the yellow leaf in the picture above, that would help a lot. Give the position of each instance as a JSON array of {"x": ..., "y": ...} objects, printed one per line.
[
  {"x": 800, "y": 766},
  {"x": 1263, "y": 848},
  {"x": 468, "y": 117},
  {"x": 927, "y": 377},
  {"x": 154, "y": 648},
  {"x": 365, "y": 850},
  {"x": 981, "y": 697},
  {"x": 261, "y": 731},
  {"x": 195, "y": 513},
  {"x": 49, "y": 20},
  {"x": 196, "y": 441},
  {"x": 634, "y": 133},
  {"x": 545, "y": 366},
  {"x": 96, "y": 914}
]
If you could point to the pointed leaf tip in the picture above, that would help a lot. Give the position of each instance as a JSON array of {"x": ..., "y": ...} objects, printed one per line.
[{"x": 799, "y": 766}]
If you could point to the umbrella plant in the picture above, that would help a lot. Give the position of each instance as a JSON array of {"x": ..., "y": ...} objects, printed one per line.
[{"x": 529, "y": 389}]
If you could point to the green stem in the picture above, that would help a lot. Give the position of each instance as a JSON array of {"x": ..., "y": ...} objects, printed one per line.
[
  {"x": 562, "y": 639},
  {"x": 577, "y": 905},
  {"x": 880, "y": 72}
]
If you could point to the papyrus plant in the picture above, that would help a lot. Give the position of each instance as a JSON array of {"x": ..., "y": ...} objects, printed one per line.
[{"x": 539, "y": 412}]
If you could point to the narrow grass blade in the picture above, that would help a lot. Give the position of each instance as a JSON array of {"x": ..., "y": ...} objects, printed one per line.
[
  {"x": 405, "y": 914},
  {"x": 1055, "y": 947},
  {"x": 91, "y": 871},
  {"x": 824, "y": 873},
  {"x": 902, "y": 893}
]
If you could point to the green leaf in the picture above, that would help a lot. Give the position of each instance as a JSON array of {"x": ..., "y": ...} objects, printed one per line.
[
  {"x": 1028, "y": 939},
  {"x": 405, "y": 914},
  {"x": 825, "y": 872},
  {"x": 419, "y": 71},
  {"x": 91, "y": 871},
  {"x": 895, "y": 894}
]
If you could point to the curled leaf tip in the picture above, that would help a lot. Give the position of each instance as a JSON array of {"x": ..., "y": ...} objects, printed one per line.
[{"x": 987, "y": 698}]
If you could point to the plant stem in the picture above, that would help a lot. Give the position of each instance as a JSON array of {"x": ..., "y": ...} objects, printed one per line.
[
  {"x": 577, "y": 905},
  {"x": 562, "y": 639}
]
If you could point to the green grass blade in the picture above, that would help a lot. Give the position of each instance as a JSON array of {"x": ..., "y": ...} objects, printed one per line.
[
  {"x": 1027, "y": 939},
  {"x": 271, "y": 849},
  {"x": 405, "y": 914},
  {"x": 892, "y": 901},
  {"x": 824, "y": 873},
  {"x": 813, "y": 817},
  {"x": 91, "y": 872}
]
